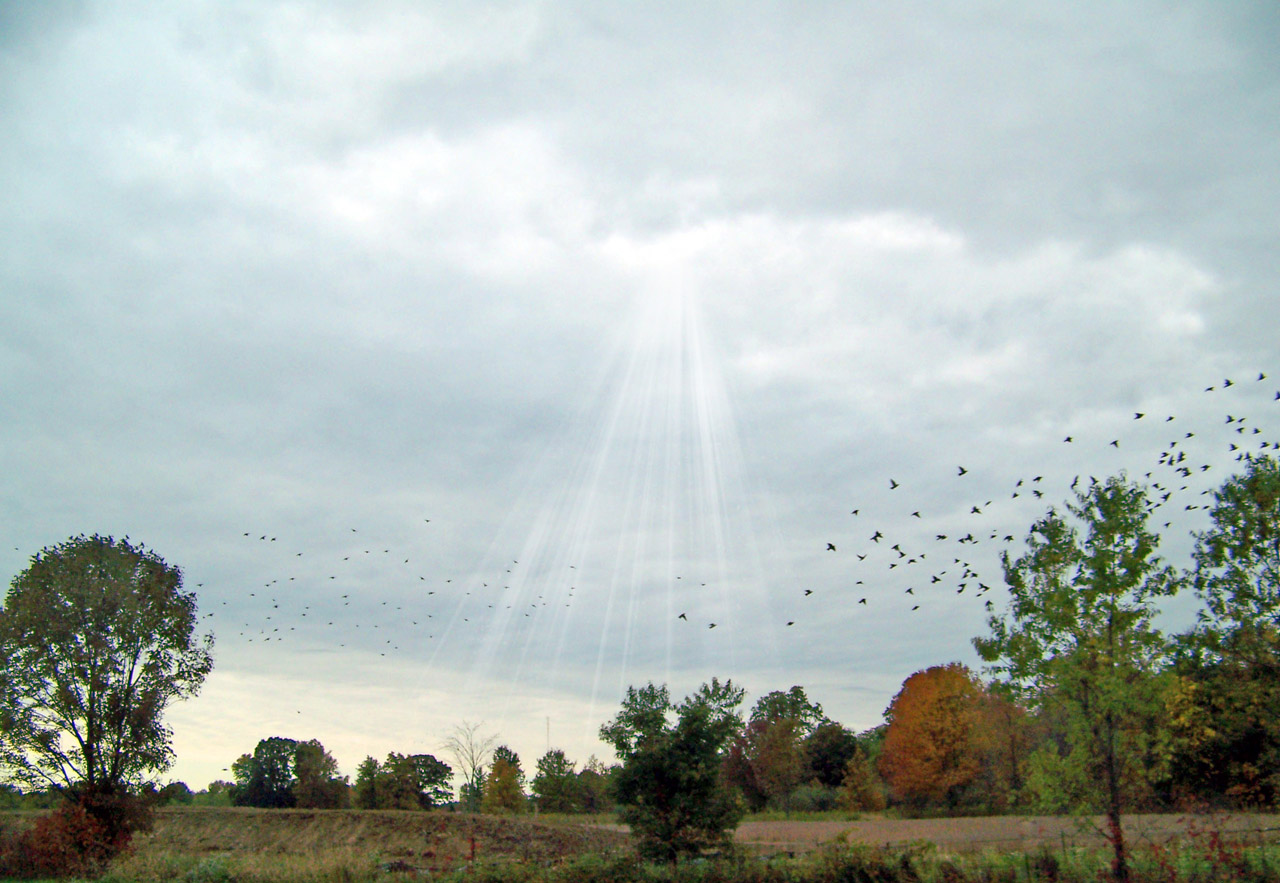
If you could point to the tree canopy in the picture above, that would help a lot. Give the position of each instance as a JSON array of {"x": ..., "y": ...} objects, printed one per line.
[
  {"x": 97, "y": 638},
  {"x": 1079, "y": 639},
  {"x": 669, "y": 788}
]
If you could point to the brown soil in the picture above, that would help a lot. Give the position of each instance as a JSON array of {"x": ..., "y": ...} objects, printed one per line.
[{"x": 999, "y": 832}]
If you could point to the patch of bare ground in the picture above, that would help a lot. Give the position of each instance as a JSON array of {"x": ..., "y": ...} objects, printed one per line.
[{"x": 1014, "y": 833}]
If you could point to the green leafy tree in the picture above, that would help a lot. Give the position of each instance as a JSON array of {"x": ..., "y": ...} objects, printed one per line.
[
  {"x": 217, "y": 793},
  {"x": 265, "y": 778},
  {"x": 827, "y": 751},
  {"x": 792, "y": 704},
  {"x": 433, "y": 780},
  {"x": 595, "y": 785},
  {"x": 1225, "y": 711},
  {"x": 1079, "y": 636},
  {"x": 97, "y": 639},
  {"x": 316, "y": 782},
  {"x": 669, "y": 788},
  {"x": 175, "y": 792},
  {"x": 416, "y": 781},
  {"x": 555, "y": 786},
  {"x": 504, "y": 753},
  {"x": 365, "y": 791},
  {"x": 1237, "y": 571}
]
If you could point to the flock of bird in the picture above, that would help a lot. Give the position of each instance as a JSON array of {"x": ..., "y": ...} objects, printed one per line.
[
  {"x": 1187, "y": 469},
  {"x": 894, "y": 552}
]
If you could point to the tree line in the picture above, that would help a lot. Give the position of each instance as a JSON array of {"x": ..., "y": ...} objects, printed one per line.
[{"x": 1084, "y": 703}]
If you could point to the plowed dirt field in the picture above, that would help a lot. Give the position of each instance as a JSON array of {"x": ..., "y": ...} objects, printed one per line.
[{"x": 1000, "y": 832}]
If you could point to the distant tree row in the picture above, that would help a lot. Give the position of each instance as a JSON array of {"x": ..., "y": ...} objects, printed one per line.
[{"x": 1091, "y": 707}]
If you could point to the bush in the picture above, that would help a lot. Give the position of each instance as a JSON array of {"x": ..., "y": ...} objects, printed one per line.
[
  {"x": 67, "y": 842},
  {"x": 77, "y": 838},
  {"x": 814, "y": 798}
]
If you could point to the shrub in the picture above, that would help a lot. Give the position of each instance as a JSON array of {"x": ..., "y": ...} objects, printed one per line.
[{"x": 66, "y": 842}]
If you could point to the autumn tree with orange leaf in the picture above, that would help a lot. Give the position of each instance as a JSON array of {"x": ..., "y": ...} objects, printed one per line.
[{"x": 931, "y": 751}]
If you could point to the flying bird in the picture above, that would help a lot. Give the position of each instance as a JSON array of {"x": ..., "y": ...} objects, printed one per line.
[
  {"x": 963, "y": 470},
  {"x": 831, "y": 547}
]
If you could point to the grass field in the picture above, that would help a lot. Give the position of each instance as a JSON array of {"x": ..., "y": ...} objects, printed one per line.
[{"x": 220, "y": 845}]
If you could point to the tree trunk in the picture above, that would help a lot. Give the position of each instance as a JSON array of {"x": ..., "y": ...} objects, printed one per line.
[{"x": 1115, "y": 831}]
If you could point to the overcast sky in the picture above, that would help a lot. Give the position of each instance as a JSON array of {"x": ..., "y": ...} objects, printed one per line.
[{"x": 473, "y": 359}]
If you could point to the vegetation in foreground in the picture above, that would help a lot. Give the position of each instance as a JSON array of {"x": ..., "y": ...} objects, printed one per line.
[{"x": 1202, "y": 857}]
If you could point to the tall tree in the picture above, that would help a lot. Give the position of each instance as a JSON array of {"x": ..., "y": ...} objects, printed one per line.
[
  {"x": 1237, "y": 563},
  {"x": 792, "y": 704},
  {"x": 433, "y": 780},
  {"x": 502, "y": 789},
  {"x": 471, "y": 752},
  {"x": 316, "y": 782},
  {"x": 416, "y": 781},
  {"x": 930, "y": 751},
  {"x": 1225, "y": 712},
  {"x": 669, "y": 788},
  {"x": 1079, "y": 636},
  {"x": 827, "y": 752},
  {"x": 97, "y": 639},
  {"x": 365, "y": 792},
  {"x": 265, "y": 778},
  {"x": 555, "y": 785},
  {"x": 765, "y": 761}
]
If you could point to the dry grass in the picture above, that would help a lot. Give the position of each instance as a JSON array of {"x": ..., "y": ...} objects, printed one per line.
[{"x": 251, "y": 844}]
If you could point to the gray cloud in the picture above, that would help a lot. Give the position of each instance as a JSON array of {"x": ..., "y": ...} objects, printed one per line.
[{"x": 623, "y": 302}]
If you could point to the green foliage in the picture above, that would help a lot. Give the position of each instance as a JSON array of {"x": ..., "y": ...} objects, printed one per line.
[
  {"x": 417, "y": 781},
  {"x": 1237, "y": 571},
  {"x": 861, "y": 789},
  {"x": 595, "y": 786},
  {"x": 1079, "y": 636},
  {"x": 792, "y": 704},
  {"x": 175, "y": 792},
  {"x": 1224, "y": 714},
  {"x": 316, "y": 783},
  {"x": 265, "y": 778},
  {"x": 96, "y": 640},
  {"x": 555, "y": 786},
  {"x": 669, "y": 788},
  {"x": 827, "y": 752}
]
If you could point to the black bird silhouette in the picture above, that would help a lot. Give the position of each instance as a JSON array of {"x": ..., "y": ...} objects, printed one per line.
[
  {"x": 808, "y": 592},
  {"x": 875, "y": 537},
  {"x": 682, "y": 616},
  {"x": 963, "y": 470},
  {"x": 831, "y": 547},
  {"x": 892, "y": 484}
]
